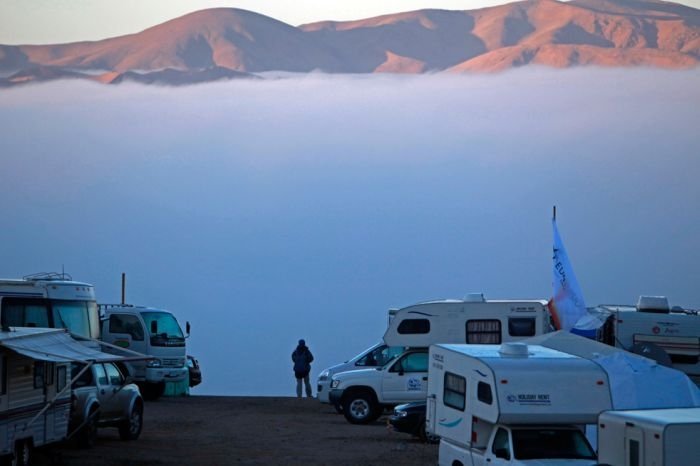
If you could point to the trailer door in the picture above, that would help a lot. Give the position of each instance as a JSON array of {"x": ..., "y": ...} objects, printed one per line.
[{"x": 634, "y": 446}]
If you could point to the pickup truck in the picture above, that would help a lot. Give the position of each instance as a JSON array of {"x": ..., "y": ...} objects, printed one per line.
[{"x": 365, "y": 393}]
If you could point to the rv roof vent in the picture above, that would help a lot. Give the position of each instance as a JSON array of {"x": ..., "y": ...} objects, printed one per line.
[
  {"x": 513, "y": 349},
  {"x": 658, "y": 304},
  {"x": 475, "y": 298}
]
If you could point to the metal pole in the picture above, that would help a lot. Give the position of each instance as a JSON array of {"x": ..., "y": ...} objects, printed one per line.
[{"x": 123, "y": 288}]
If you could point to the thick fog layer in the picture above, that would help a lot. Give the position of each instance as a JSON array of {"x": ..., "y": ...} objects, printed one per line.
[{"x": 264, "y": 212}]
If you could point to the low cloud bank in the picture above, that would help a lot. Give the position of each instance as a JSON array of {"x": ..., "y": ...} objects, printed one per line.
[{"x": 264, "y": 212}]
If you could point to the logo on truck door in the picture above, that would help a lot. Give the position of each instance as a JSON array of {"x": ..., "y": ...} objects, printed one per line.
[{"x": 413, "y": 384}]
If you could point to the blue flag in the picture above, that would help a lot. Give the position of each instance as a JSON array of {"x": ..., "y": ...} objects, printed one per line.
[{"x": 567, "y": 305}]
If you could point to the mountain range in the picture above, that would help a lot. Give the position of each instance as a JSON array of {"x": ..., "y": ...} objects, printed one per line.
[{"x": 229, "y": 43}]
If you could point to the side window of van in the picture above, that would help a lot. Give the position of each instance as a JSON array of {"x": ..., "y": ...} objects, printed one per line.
[
  {"x": 22, "y": 312},
  {"x": 484, "y": 331},
  {"x": 125, "y": 323},
  {"x": 521, "y": 327},
  {"x": 414, "y": 326}
]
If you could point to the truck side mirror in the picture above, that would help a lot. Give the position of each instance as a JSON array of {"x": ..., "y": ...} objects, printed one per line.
[
  {"x": 154, "y": 327},
  {"x": 188, "y": 327}
]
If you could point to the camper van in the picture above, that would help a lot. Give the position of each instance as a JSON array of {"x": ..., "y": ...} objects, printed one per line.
[
  {"x": 513, "y": 404},
  {"x": 474, "y": 320},
  {"x": 653, "y": 329},
  {"x": 149, "y": 331},
  {"x": 654, "y": 437},
  {"x": 50, "y": 301}
]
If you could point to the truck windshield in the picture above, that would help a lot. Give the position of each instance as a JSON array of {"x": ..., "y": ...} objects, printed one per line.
[
  {"x": 163, "y": 329},
  {"x": 529, "y": 444},
  {"x": 80, "y": 317}
]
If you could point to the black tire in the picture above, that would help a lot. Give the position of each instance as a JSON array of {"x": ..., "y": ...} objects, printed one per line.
[
  {"x": 130, "y": 428},
  {"x": 361, "y": 408},
  {"x": 87, "y": 435},
  {"x": 23, "y": 453}
]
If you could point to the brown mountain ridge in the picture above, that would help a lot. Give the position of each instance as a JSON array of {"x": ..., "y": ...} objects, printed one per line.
[{"x": 227, "y": 43}]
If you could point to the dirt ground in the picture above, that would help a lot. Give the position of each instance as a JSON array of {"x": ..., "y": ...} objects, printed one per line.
[{"x": 206, "y": 430}]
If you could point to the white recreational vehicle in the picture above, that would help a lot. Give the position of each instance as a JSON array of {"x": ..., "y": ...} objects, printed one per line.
[
  {"x": 50, "y": 301},
  {"x": 149, "y": 331},
  {"x": 653, "y": 329},
  {"x": 474, "y": 320},
  {"x": 35, "y": 390},
  {"x": 654, "y": 437},
  {"x": 513, "y": 404}
]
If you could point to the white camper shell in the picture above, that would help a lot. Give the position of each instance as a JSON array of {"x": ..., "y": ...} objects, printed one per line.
[
  {"x": 654, "y": 437},
  {"x": 50, "y": 301},
  {"x": 153, "y": 332},
  {"x": 653, "y": 329},
  {"x": 513, "y": 404},
  {"x": 474, "y": 320}
]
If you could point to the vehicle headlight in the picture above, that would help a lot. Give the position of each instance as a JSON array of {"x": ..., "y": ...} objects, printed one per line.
[
  {"x": 400, "y": 413},
  {"x": 323, "y": 376},
  {"x": 154, "y": 363},
  {"x": 335, "y": 383}
]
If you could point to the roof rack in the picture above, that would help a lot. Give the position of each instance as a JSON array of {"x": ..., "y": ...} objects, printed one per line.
[{"x": 48, "y": 276}]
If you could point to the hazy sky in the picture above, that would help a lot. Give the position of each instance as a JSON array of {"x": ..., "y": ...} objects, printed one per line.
[
  {"x": 265, "y": 212},
  {"x": 54, "y": 21}
]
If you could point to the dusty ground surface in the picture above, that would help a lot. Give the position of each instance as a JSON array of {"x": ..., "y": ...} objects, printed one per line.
[{"x": 205, "y": 430}]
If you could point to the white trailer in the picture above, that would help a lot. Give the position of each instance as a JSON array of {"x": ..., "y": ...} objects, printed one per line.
[
  {"x": 652, "y": 328},
  {"x": 473, "y": 320},
  {"x": 153, "y": 332},
  {"x": 654, "y": 437},
  {"x": 513, "y": 404},
  {"x": 35, "y": 387},
  {"x": 50, "y": 301}
]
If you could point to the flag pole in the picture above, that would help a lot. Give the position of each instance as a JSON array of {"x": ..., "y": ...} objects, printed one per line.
[{"x": 554, "y": 213}]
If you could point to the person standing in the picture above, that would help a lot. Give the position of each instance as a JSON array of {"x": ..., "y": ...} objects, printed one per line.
[{"x": 302, "y": 358}]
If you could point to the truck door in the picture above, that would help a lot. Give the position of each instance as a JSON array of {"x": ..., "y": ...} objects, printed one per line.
[
  {"x": 634, "y": 446},
  {"x": 126, "y": 331},
  {"x": 109, "y": 408},
  {"x": 500, "y": 450},
  {"x": 116, "y": 381},
  {"x": 407, "y": 378}
]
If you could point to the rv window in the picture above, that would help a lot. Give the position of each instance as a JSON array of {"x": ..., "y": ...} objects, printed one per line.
[
  {"x": 18, "y": 312},
  {"x": 61, "y": 378},
  {"x": 38, "y": 374},
  {"x": 486, "y": 332},
  {"x": 49, "y": 369},
  {"x": 633, "y": 459},
  {"x": 483, "y": 393},
  {"x": 454, "y": 391},
  {"x": 124, "y": 323},
  {"x": 414, "y": 326},
  {"x": 521, "y": 327},
  {"x": 412, "y": 362},
  {"x": 80, "y": 317}
]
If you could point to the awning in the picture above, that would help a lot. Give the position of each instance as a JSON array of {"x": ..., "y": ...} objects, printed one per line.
[{"x": 54, "y": 345}]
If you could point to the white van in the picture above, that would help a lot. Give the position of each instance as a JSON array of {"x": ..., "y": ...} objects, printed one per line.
[
  {"x": 149, "y": 331},
  {"x": 653, "y": 437},
  {"x": 513, "y": 404}
]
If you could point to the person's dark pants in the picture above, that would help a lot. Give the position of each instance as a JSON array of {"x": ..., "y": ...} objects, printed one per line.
[{"x": 305, "y": 377}]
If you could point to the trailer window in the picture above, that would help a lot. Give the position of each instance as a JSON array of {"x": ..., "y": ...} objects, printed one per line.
[
  {"x": 521, "y": 327},
  {"x": 486, "y": 332},
  {"x": 61, "y": 378},
  {"x": 483, "y": 393},
  {"x": 454, "y": 391},
  {"x": 128, "y": 324},
  {"x": 38, "y": 374},
  {"x": 414, "y": 326}
]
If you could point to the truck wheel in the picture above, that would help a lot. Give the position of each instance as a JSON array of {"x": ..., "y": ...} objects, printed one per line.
[
  {"x": 130, "y": 429},
  {"x": 360, "y": 408},
  {"x": 88, "y": 433}
]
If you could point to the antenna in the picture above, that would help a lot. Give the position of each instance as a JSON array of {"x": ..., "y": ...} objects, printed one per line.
[{"x": 123, "y": 288}]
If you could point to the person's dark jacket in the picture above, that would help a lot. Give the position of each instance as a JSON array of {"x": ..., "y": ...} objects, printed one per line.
[{"x": 302, "y": 358}]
